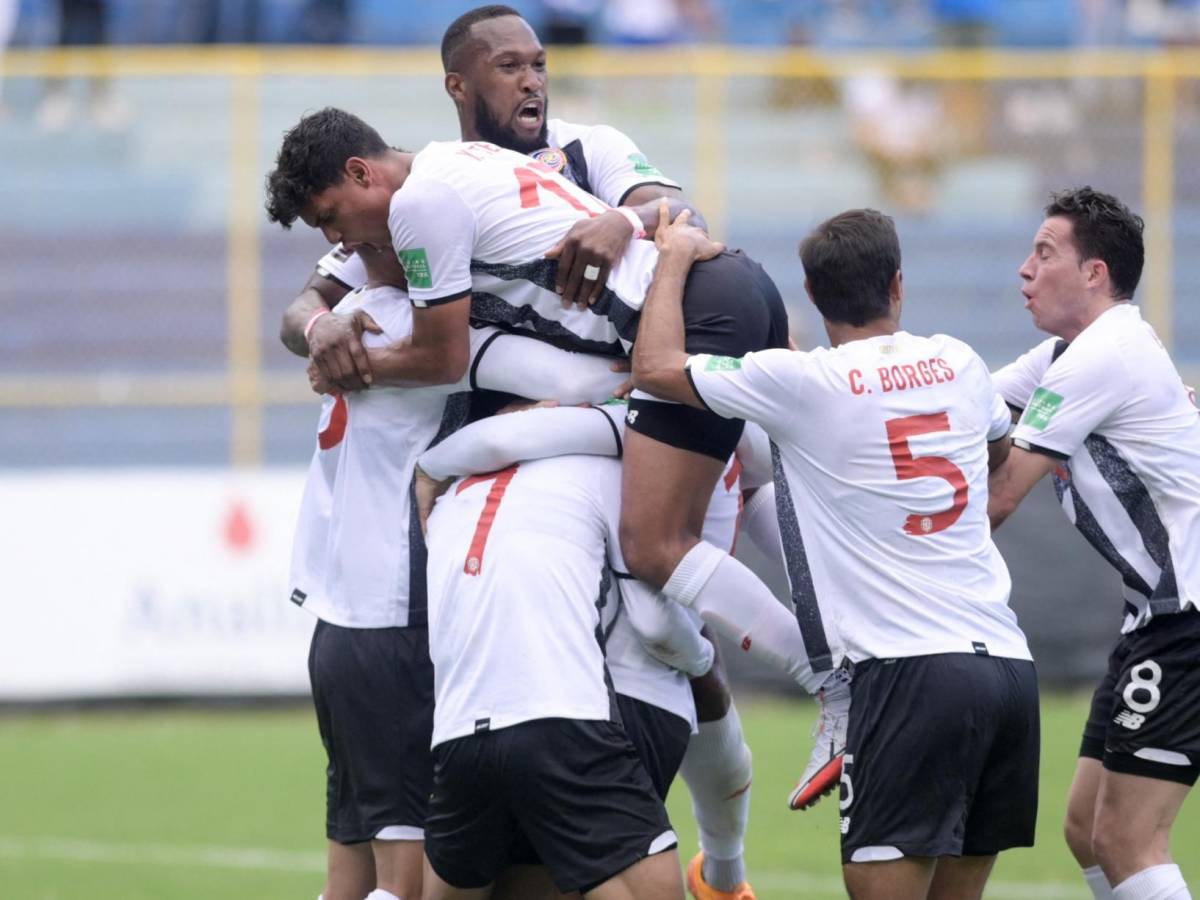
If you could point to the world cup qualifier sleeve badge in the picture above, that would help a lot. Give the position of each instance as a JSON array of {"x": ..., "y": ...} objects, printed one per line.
[{"x": 552, "y": 158}]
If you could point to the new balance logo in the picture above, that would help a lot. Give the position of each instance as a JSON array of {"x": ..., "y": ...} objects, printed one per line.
[
  {"x": 844, "y": 824},
  {"x": 1131, "y": 720},
  {"x": 631, "y": 417}
]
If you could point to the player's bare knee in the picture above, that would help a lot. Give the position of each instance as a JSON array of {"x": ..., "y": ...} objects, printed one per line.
[
  {"x": 711, "y": 695},
  {"x": 1077, "y": 832}
]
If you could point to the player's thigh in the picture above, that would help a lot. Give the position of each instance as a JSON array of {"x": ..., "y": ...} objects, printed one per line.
[
  {"x": 960, "y": 877},
  {"x": 526, "y": 882},
  {"x": 653, "y": 878},
  {"x": 587, "y": 804},
  {"x": 379, "y": 769},
  {"x": 667, "y": 487},
  {"x": 900, "y": 879},
  {"x": 1134, "y": 815}
]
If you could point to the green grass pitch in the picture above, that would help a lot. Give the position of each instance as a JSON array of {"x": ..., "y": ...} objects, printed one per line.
[{"x": 201, "y": 804}]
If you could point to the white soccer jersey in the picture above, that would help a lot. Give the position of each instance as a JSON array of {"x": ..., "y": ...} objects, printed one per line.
[
  {"x": 881, "y": 479},
  {"x": 351, "y": 562},
  {"x": 535, "y": 433},
  {"x": 475, "y": 218},
  {"x": 1111, "y": 407},
  {"x": 517, "y": 577},
  {"x": 599, "y": 159}
]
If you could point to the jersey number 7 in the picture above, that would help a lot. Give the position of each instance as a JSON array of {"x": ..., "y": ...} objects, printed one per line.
[
  {"x": 533, "y": 176},
  {"x": 499, "y": 480},
  {"x": 909, "y": 466}
]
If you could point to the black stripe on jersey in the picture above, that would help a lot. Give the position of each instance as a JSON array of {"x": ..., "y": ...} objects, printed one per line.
[
  {"x": 1060, "y": 347},
  {"x": 1138, "y": 505},
  {"x": 489, "y": 309},
  {"x": 614, "y": 713},
  {"x": 543, "y": 273},
  {"x": 804, "y": 594},
  {"x": 687, "y": 370},
  {"x": 1089, "y": 527},
  {"x": 478, "y": 358},
  {"x": 438, "y": 301},
  {"x": 577, "y": 168},
  {"x": 454, "y": 416},
  {"x": 1038, "y": 448},
  {"x": 616, "y": 432}
]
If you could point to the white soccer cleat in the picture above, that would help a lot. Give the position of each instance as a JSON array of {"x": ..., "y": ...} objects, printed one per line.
[{"x": 824, "y": 769}]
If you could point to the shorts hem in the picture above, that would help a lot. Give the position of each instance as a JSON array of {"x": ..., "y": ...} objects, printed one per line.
[
  {"x": 1091, "y": 748},
  {"x": 1128, "y": 764},
  {"x": 634, "y": 858},
  {"x": 929, "y": 851}
]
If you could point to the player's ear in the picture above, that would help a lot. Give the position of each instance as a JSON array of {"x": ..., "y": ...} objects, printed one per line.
[
  {"x": 896, "y": 287},
  {"x": 454, "y": 87},
  {"x": 1097, "y": 273},
  {"x": 358, "y": 170}
]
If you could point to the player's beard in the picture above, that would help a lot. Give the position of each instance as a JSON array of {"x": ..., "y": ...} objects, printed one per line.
[{"x": 488, "y": 127}]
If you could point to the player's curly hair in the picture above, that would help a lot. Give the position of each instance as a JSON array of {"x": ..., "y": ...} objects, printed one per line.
[
  {"x": 312, "y": 158},
  {"x": 459, "y": 31},
  {"x": 1105, "y": 229},
  {"x": 849, "y": 262}
]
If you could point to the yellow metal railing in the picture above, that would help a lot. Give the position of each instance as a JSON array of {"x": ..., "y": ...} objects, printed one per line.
[{"x": 246, "y": 390}]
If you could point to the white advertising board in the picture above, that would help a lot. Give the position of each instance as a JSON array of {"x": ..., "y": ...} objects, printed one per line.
[{"x": 149, "y": 583}]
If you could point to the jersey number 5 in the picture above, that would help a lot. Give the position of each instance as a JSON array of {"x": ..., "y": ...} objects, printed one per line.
[
  {"x": 499, "y": 480},
  {"x": 909, "y": 466}
]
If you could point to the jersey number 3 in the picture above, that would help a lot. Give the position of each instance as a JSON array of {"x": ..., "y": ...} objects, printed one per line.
[
  {"x": 499, "y": 480},
  {"x": 909, "y": 466}
]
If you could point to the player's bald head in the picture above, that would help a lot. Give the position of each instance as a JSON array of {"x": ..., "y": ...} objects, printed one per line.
[{"x": 462, "y": 39}]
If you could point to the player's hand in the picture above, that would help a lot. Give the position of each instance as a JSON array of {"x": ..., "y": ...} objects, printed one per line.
[
  {"x": 427, "y": 490},
  {"x": 318, "y": 382},
  {"x": 681, "y": 238},
  {"x": 335, "y": 346},
  {"x": 586, "y": 256}
]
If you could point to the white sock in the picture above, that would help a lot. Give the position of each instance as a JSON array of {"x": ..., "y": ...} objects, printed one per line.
[
  {"x": 1101, "y": 889},
  {"x": 381, "y": 894},
  {"x": 1163, "y": 882},
  {"x": 717, "y": 768},
  {"x": 731, "y": 598}
]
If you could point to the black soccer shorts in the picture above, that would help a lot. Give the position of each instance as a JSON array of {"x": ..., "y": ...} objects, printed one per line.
[
  {"x": 731, "y": 307},
  {"x": 1145, "y": 714},
  {"x": 941, "y": 757},
  {"x": 575, "y": 790},
  {"x": 660, "y": 737},
  {"x": 373, "y": 691}
]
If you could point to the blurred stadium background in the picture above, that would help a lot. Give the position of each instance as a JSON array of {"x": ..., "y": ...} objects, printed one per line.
[{"x": 153, "y": 431}]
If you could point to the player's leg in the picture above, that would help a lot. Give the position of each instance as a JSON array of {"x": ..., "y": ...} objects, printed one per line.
[
  {"x": 1081, "y": 815},
  {"x": 528, "y": 367},
  {"x": 398, "y": 867},
  {"x": 1131, "y": 834},
  {"x": 718, "y": 770},
  {"x": 350, "y": 871},
  {"x": 1151, "y": 758},
  {"x": 527, "y": 882},
  {"x": 906, "y": 878},
  {"x": 653, "y": 878},
  {"x": 961, "y": 877}
]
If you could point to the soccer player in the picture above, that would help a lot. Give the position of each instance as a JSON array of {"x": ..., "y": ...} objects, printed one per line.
[
  {"x": 1102, "y": 408},
  {"x": 359, "y": 566},
  {"x": 496, "y": 75},
  {"x": 884, "y": 444},
  {"x": 527, "y": 742}
]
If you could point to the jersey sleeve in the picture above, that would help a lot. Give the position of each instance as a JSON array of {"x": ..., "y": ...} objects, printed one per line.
[
  {"x": 1017, "y": 381},
  {"x": 1074, "y": 397},
  {"x": 433, "y": 233},
  {"x": 760, "y": 387},
  {"x": 346, "y": 268},
  {"x": 616, "y": 166},
  {"x": 500, "y": 441}
]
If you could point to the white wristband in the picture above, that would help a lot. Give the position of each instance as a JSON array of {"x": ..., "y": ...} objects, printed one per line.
[{"x": 635, "y": 221}]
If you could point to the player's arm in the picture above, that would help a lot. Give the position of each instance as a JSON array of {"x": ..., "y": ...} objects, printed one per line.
[
  {"x": 659, "y": 357},
  {"x": 1011, "y": 482},
  {"x": 665, "y": 630},
  {"x": 438, "y": 351}
]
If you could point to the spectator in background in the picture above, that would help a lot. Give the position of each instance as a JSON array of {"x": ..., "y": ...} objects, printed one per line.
[
  {"x": 966, "y": 24},
  {"x": 81, "y": 23},
  {"x": 657, "y": 21}
]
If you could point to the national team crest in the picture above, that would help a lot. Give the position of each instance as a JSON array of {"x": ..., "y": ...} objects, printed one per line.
[{"x": 552, "y": 158}]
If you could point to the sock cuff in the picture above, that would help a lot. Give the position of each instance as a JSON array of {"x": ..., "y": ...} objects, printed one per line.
[
  {"x": 693, "y": 572},
  {"x": 1155, "y": 883},
  {"x": 1097, "y": 882}
]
